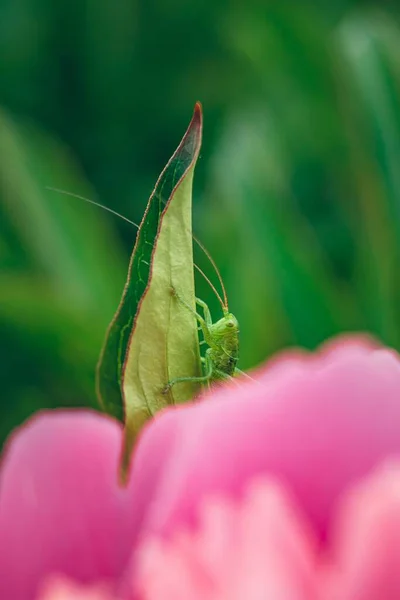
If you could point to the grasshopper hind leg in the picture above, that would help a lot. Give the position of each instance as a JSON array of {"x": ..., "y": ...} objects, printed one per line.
[{"x": 202, "y": 379}]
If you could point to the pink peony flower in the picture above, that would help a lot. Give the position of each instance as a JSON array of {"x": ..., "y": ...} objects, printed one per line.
[
  {"x": 58, "y": 588},
  {"x": 285, "y": 488}
]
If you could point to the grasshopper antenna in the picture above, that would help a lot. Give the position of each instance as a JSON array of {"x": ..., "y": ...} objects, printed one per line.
[
  {"x": 110, "y": 210},
  {"x": 224, "y": 304},
  {"x": 214, "y": 265},
  {"x": 211, "y": 286}
]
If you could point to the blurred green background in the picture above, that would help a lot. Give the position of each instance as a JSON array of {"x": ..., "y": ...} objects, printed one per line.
[{"x": 297, "y": 192}]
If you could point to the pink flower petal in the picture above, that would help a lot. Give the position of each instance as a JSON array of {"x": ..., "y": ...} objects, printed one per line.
[
  {"x": 366, "y": 560},
  {"x": 62, "y": 589},
  {"x": 255, "y": 549},
  {"x": 61, "y": 509},
  {"x": 317, "y": 423}
]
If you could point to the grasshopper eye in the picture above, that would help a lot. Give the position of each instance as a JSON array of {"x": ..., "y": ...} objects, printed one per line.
[{"x": 230, "y": 323}]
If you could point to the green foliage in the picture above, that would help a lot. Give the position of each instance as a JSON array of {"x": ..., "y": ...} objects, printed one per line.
[
  {"x": 152, "y": 338},
  {"x": 297, "y": 192}
]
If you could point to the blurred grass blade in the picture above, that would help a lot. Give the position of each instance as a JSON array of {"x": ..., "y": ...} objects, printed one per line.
[
  {"x": 54, "y": 232},
  {"x": 152, "y": 338},
  {"x": 36, "y": 325},
  {"x": 293, "y": 295},
  {"x": 369, "y": 84}
]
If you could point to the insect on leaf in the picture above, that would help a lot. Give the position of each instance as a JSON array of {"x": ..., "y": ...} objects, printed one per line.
[{"x": 152, "y": 338}]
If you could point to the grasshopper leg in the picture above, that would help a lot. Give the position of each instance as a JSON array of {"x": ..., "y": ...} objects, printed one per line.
[
  {"x": 202, "y": 379},
  {"x": 206, "y": 310},
  {"x": 204, "y": 323},
  {"x": 226, "y": 377},
  {"x": 243, "y": 374}
]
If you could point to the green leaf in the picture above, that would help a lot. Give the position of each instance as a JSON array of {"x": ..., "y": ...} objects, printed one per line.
[{"x": 153, "y": 338}]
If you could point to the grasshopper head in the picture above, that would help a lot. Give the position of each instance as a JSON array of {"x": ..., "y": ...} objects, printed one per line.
[
  {"x": 231, "y": 322},
  {"x": 228, "y": 326}
]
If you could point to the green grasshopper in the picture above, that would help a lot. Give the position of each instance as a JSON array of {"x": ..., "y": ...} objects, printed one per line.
[{"x": 221, "y": 337}]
